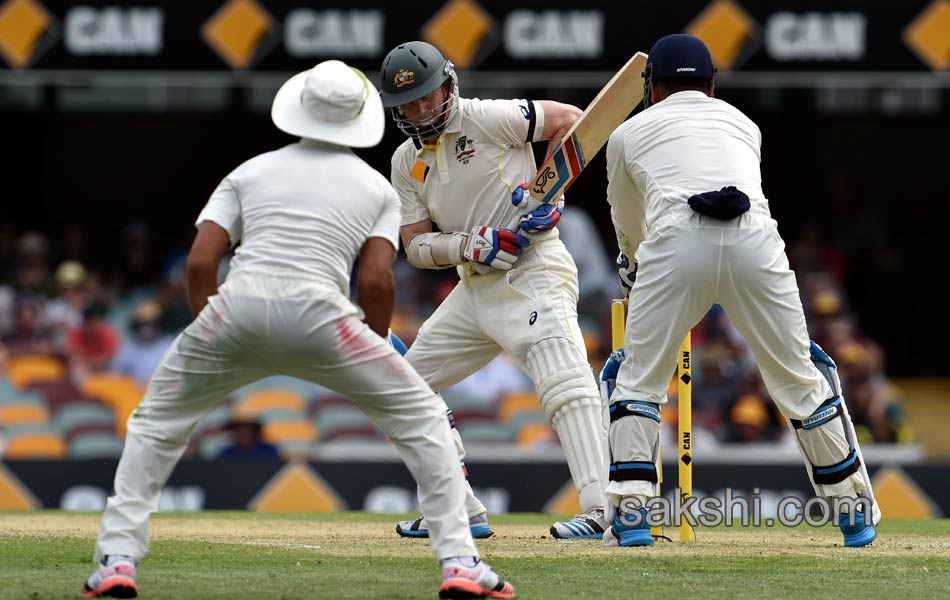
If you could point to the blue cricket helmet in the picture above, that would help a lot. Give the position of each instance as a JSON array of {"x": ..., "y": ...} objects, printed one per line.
[{"x": 677, "y": 56}]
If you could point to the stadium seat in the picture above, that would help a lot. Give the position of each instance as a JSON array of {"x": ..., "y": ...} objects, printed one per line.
[
  {"x": 27, "y": 428},
  {"x": 35, "y": 445},
  {"x": 279, "y": 432},
  {"x": 118, "y": 391},
  {"x": 331, "y": 400},
  {"x": 73, "y": 419},
  {"x": 56, "y": 393},
  {"x": 532, "y": 434},
  {"x": 23, "y": 397},
  {"x": 271, "y": 416},
  {"x": 513, "y": 404},
  {"x": 528, "y": 417},
  {"x": 485, "y": 432},
  {"x": 110, "y": 388},
  {"x": 95, "y": 445},
  {"x": 90, "y": 428},
  {"x": 294, "y": 449},
  {"x": 21, "y": 414},
  {"x": 270, "y": 399},
  {"x": 24, "y": 370},
  {"x": 468, "y": 409},
  {"x": 338, "y": 422},
  {"x": 7, "y": 391}
]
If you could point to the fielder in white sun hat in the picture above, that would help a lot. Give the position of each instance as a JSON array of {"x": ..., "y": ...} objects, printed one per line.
[{"x": 331, "y": 102}]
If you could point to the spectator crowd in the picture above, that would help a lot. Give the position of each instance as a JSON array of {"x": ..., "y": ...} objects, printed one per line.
[{"x": 114, "y": 306}]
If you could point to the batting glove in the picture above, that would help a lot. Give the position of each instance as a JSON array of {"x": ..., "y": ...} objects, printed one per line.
[
  {"x": 497, "y": 248},
  {"x": 541, "y": 219},
  {"x": 627, "y": 274},
  {"x": 608, "y": 375}
]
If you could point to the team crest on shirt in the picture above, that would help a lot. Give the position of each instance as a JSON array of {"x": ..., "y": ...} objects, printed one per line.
[{"x": 464, "y": 149}]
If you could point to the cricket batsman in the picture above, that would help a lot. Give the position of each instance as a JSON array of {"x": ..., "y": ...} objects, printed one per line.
[
  {"x": 464, "y": 160},
  {"x": 694, "y": 229},
  {"x": 303, "y": 214}
]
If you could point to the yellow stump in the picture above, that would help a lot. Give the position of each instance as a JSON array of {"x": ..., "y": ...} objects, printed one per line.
[
  {"x": 685, "y": 410},
  {"x": 618, "y": 319}
]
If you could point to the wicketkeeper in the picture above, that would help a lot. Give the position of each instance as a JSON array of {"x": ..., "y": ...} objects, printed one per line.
[{"x": 694, "y": 228}]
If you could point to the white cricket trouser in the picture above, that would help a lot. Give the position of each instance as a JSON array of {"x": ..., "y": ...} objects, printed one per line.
[
  {"x": 516, "y": 311},
  {"x": 257, "y": 326},
  {"x": 688, "y": 263}
]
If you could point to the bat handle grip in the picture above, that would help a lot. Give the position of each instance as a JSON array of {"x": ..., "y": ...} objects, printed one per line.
[{"x": 525, "y": 206}]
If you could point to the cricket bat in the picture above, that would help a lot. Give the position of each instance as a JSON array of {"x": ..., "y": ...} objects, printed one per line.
[
  {"x": 603, "y": 115},
  {"x": 591, "y": 131}
]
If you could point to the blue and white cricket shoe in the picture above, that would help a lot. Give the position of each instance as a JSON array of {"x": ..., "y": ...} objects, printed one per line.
[
  {"x": 859, "y": 534},
  {"x": 418, "y": 528},
  {"x": 588, "y": 526},
  {"x": 624, "y": 534}
]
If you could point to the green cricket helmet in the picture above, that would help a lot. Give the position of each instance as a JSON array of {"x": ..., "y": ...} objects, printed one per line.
[{"x": 409, "y": 72}]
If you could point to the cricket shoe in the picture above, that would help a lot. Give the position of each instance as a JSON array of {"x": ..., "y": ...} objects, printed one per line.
[
  {"x": 588, "y": 526},
  {"x": 471, "y": 578},
  {"x": 624, "y": 532},
  {"x": 115, "y": 578},
  {"x": 420, "y": 529},
  {"x": 859, "y": 534}
]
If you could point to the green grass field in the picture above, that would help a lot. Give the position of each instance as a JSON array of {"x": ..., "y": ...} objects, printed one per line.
[{"x": 354, "y": 555}]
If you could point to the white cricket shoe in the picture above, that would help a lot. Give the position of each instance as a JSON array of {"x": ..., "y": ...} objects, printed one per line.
[
  {"x": 115, "y": 578},
  {"x": 471, "y": 578},
  {"x": 418, "y": 528},
  {"x": 587, "y": 526}
]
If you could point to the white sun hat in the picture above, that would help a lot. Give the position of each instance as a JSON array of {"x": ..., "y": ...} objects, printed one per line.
[{"x": 331, "y": 102}]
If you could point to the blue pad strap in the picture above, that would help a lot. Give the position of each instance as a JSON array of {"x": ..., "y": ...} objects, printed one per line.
[
  {"x": 635, "y": 470},
  {"x": 828, "y": 410},
  {"x": 634, "y": 408},
  {"x": 837, "y": 472}
]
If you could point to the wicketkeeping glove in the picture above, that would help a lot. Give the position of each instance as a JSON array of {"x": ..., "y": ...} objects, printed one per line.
[
  {"x": 497, "y": 248},
  {"x": 541, "y": 219},
  {"x": 627, "y": 273},
  {"x": 608, "y": 375}
]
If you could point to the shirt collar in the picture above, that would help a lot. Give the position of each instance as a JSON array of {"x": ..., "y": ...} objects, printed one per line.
[
  {"x": 321, "y": 145},
  {"x": 687, "y": 94}
]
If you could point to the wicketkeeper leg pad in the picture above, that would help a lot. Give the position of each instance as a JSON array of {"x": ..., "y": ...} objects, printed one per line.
[
  {"x": 829, "y": 445},
  {"x": 634, "y": 446},
  {"x": 571, "y": 400}
]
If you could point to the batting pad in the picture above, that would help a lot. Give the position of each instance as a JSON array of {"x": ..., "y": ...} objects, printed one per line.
[{"x": 571, "y": 400}]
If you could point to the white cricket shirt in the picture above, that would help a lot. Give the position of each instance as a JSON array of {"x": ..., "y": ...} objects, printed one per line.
[
  {"x": 686, "y": 144},
  {"x": 466, "y": 179},
  {"x": 305, "y": 211}
]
